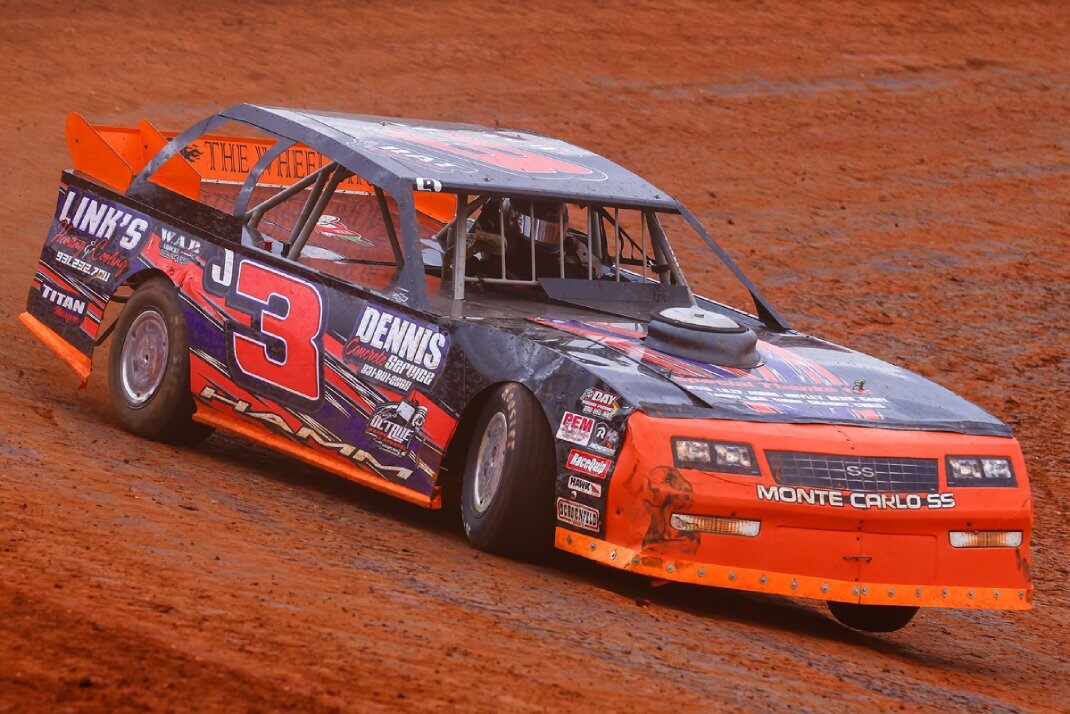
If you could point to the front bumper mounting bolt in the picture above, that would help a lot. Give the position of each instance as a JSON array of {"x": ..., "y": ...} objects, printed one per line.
[
  {"x": 613, "y": 555},
  {"x": 891, "y": 592},
  {"x": 855, "y": 591},
  {"x": 635, "y": 560},
  {"x": 731, "y": 576},
  {"x": 970, "y": 594},
  {"x": 917, "y": 592},
  {"x": 996, "y": 594},
  {"x": 794, "y": 585},
  {"x": 943, "y": 593},
  {"x": 865, "y": 590},
  {"x": 593, "y": 546},
  {"x": 1021, "y": 594},
  {"x": 670, "y": 567},
  {"x": 824, "y": 587},
  {"x": 764, "y": 579},
  {"x": 569, "y": 540},
  {"x": 702, "y": 572}
]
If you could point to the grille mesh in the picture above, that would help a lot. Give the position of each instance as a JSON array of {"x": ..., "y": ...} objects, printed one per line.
[{"x": 854, "y": 473}]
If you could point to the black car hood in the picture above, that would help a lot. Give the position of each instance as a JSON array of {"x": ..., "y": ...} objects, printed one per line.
[{"x": 801, "y": 379}]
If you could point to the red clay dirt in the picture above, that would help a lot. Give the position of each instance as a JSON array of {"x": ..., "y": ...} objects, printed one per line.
[{"x": 896, "y": 177}]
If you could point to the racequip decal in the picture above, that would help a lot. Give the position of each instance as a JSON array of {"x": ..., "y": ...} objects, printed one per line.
[
  {"x": 394, "y": 424},
  {"x": 575, "y": 483},
  {"x": 600, "y": 403},
  {"x": 576, "y": 428},
  {"x": 396, "y": 350},
  {"x": 856, "y": 499},
  {"x": 587, "y": 463},
  {"x": 307, "y": 433},
  {"x": 604, "y": 439},
  {"x": 577, "y": 514}
]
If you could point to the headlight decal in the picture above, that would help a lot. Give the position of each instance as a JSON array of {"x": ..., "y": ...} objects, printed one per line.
[
  {"x": 980, "y": 471},
  {"x": 714, "y": 456}
]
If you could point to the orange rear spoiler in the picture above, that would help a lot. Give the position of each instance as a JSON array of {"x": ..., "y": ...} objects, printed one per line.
[{"x": 114, "y": 155}]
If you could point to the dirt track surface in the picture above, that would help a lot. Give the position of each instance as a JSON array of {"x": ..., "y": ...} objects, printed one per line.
[{"x": 896, "y": 178}]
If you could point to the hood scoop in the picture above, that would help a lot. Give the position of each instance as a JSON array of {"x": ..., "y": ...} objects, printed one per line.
[{"x": 703, "y": 336}]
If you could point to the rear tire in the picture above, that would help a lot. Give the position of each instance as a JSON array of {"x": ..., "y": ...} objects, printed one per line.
[
  {"x": 148, "y": 370},
  {"x": 872, "y": 618},
  {"x": 507, "y": 490}
]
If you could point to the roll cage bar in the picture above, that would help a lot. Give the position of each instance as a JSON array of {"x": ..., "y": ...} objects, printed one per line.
[{"x": 410, "y": 286}]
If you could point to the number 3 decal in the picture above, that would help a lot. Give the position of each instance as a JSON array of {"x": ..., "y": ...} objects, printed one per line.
[{"x": 281, "y": 351}]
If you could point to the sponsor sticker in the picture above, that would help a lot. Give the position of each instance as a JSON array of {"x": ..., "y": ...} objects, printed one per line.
[
  {"x": 394, "y": 424},
  {"x": 68, "y": 307},
  {"x": 575, "y": 428},
  {"x": 604, "y": 439},
  {"x": 588, "y": 463},
  {"x": 333, "y": 226},
  {"x": 396, "y": 350},
  {"x": 178, "y": 247},
  {"x": 600, "y": 403},
  {"x": 97, "y": 218},
  {"x": 575, "y": 483},
  {"x": 577, "y": 514}
]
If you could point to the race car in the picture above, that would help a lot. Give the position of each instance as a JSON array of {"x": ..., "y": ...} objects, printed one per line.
[{"x": 455, "y": 313}]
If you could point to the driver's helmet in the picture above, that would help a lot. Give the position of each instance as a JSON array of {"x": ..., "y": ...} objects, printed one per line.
[
  {"x": 528, "y": 221},
  {"x": 538, "y": 222}
]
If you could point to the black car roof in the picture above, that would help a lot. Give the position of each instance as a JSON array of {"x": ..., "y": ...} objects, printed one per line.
[{"x": 458, "y": 158}]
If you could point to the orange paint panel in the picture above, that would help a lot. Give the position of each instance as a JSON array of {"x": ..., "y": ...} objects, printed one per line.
[
  {"x": 177, "y": 174},
  {"x": 836, "y": 540},
  {"x": 108, "y": 161},
  {"x": 779, "y": 583}
]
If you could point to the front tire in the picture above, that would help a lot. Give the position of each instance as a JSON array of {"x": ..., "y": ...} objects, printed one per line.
[
  {"x": 148, "y": 369},
  {"x": 872, "y": 618},
  {"x": 507, "y": 490}
]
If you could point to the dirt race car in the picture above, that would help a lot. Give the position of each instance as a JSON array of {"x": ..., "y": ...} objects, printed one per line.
[{"x": 448, "y": 312}]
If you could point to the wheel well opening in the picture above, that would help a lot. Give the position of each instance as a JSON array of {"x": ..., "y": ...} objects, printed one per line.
[
  {"x": 121, "y": 294},
  {"x": 451, "y": 475}
]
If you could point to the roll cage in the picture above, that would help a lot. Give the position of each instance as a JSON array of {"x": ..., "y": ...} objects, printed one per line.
[{"x": 472, "y": 161}]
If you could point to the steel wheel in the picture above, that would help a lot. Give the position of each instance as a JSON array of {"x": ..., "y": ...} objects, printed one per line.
[
  {"x": 144, "y": 358},
  {"x": 490, "y": 461},
  {"x": 507, "y": 493}
]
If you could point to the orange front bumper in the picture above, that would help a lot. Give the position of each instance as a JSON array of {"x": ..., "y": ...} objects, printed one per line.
[{"x": 870, "y": 553}]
